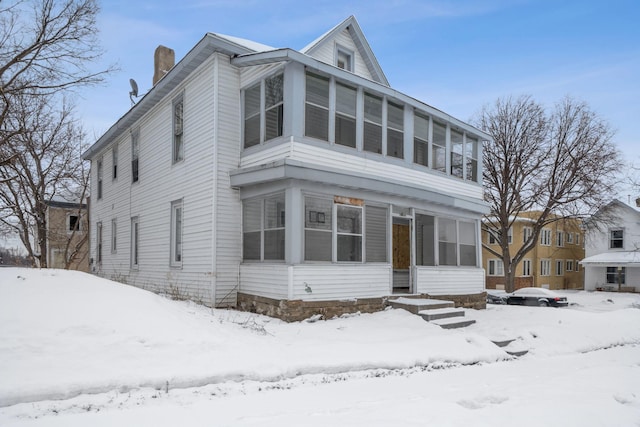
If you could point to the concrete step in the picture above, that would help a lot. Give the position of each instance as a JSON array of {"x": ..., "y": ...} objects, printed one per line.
[
  {"x": 453, "y": 322},
  {"x": 416, "y": 305},
  {"x": 441, "y": 313}
]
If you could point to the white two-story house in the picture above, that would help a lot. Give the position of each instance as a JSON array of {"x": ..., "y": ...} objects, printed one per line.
[
  {"x": 612, "y": 249},
  {"x": 288, "y": 182}
]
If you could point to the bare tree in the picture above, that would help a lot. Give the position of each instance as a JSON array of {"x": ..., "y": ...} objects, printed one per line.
[
  {"x": 46, "y": 46},
  {"x": 560, "y": 164},
  {"x": 47, "y": 165}
]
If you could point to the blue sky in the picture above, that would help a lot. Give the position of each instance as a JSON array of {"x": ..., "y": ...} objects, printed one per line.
[{"x": 454, "y": 55}]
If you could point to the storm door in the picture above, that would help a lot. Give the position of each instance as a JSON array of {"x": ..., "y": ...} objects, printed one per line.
[{"x": 401, "y": 255}]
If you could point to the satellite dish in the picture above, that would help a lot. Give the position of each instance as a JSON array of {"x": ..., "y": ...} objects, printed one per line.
[{"x": 134, "y": 90}]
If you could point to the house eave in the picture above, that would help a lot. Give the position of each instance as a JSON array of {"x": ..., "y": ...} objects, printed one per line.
[{"x": 288, "y": 169}]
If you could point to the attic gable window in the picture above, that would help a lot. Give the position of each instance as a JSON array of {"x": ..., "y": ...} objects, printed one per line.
[
  {"x": 263, "y": 110},
  {"x": 344, "y": 59}
]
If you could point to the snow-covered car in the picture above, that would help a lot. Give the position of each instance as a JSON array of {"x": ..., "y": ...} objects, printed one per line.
[
  {"x": 496, "y": 297},
  {"x": 536, "y": 297}
]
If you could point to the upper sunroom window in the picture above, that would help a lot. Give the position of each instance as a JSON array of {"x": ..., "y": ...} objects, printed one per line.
[{"x": 264, "y": 110}]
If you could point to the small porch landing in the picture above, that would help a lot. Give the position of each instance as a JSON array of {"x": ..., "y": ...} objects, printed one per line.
[{"x": 440, "y": 312}]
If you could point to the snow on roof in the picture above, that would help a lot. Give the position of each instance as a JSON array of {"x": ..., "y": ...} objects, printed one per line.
[
  {"x": 626, "y": 258},
  {"x": 249, "y": 44}
]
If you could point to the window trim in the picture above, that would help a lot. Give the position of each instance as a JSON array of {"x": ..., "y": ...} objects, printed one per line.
[
  {"x": 620, "y": 239},
  {"x": 177, "y": 133},
  {"x": 135, "y": 243},
  {"x": 114, "y": 234},
  {"x": 176, "y": 252},
  {"x": 114, "y": 162},
  {"x": 545, "y": 237},
  {"x": 263, "y": 109},
  {"x": 99, "y": 173},
  {"x": 559, "y": 267},
  {"x": 99, "y": 243},
  {"x": 497, "y": 265},
  {"x": 263, "y": 226},
  {"x": 135, "y": 155},
  {"x": 348, "y": 53},
  {"x": 526, "y": 267},
  {"x": 545, "y": 267}
]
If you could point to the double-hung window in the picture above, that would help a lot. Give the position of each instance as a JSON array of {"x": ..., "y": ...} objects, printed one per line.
[
  {"x": 616, "y": 275},
  {"x": 263, "y": 228},
  {"x": 496, "y": 267},
  {"x": 439, "y": 147},
  {"x": 545, "y": 267},
  {"x": 559, "y": 238},
  {"x": 395, "y": 130},
  {"x": 559, "y": 265},
  {"x": 545, "y": 237},
  {"x": 471, "y": 159},
  {"x": 526, "y": 267},
  {"x": 569, "y": 265},
  {"x": 317, "y": 107},
  {"x": 264, "y": 110},
  {"x": 421, "y": 139},
  {"x": 447, "y": 241},
  {"x": 349, "y": 233},
  {"x": 176, "y": 233},
  {"x": 345, "y": 119},
  {"x": 616, "y": 238},
  {"x": 372, "y": 123},
  {"x": 526, "y": 234},
  {"x": 178, "y": 130},
  {"x": 99, "y": 243},
  {"x": 457, "y": 145}
]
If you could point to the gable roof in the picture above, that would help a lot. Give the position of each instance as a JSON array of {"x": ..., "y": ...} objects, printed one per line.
[{"x": 351, "y": 25}]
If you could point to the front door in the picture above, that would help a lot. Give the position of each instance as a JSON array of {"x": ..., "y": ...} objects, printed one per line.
[{"x": 401, "y": 255}]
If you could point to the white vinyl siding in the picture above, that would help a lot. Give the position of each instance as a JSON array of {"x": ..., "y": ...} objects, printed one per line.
[{"x": 449, "y": 280}]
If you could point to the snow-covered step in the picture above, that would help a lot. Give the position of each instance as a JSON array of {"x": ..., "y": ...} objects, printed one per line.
[
  {"x": 416, "y": 305},
  {"x": 453, "y": 322},
  {"x": 441, "y": 313}
]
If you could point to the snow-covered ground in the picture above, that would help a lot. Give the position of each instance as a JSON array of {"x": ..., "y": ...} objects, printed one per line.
[{"x": 76, "y": 350}]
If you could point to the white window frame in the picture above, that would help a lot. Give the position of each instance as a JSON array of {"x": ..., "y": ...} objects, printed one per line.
[
  {"x": 560, "y": 238},
  {"x": 135, "y": 243},
  {"x": 177, "y": 233},
  {"x": 99, "y": 243},
  {"x": 177, "y": 126},
  {"x": 612, "y": 239},
  {"x": 569, "y": 238},
  {"x": 114, "y": 236},
  {"x": 263, "y": 110},
  {"x": 526, "y": 267},
  {"x": 345, "y": 55},
  {"x": 545, "y": 237},
  {"x": 569, "y": 265},
  {"x": 114, "y": 162},
  {"x": 559, "y": 267},
  {"x": 495, "y": 267},
  {"x": 526, "y": 233},
  {"x": 545, "y": 267},
  {"x": 99, "y": 172},
  {"x": 135, "y": 155}
]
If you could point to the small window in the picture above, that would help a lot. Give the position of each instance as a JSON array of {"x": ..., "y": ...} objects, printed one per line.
[
  {"x": 135, "y": 242},
  {"x": 99, "y": 243},
  {"x": 135, "y": 151},
  {"x": 178, "y": 130},
  {"x": 74, "y": 223},
  {"x": 526, "y": 234},
  {"x": 344, "y": 59},
  {"x": 114, "y": 162},
  {"x": 559, "y": 264},
  {"x": 569, "y": 238},
  {"x": 559, "y": 239},
  {"x": 526, "y": 267},
  {"x": 114, "y": 236},
  {"x": 616, "y": 239},
  {"x": 176, "y": 233},
  {"x": 99, "y": 173}
]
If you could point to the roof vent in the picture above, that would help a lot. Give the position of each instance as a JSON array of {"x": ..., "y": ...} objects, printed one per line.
[{"x": 163, "y": 60}]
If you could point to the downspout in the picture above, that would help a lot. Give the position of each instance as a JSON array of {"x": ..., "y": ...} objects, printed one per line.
[{"x": 214, "y": 208}]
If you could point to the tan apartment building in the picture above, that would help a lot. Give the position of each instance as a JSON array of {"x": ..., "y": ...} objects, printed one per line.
[
  {"x": 67, "y": 235},
  {"x": 551, "y": 264}
]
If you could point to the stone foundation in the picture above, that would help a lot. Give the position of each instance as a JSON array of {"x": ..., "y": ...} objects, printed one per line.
[{"x": 297, "y": 310}]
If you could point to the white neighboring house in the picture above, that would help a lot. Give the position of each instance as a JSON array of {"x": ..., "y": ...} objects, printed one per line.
[
  {"x": 612, "y": 251},
  {"x": 287, "y": 181}
]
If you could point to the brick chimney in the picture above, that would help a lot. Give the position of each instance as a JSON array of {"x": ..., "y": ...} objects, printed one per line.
[{"x": 163, "y": 60}]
